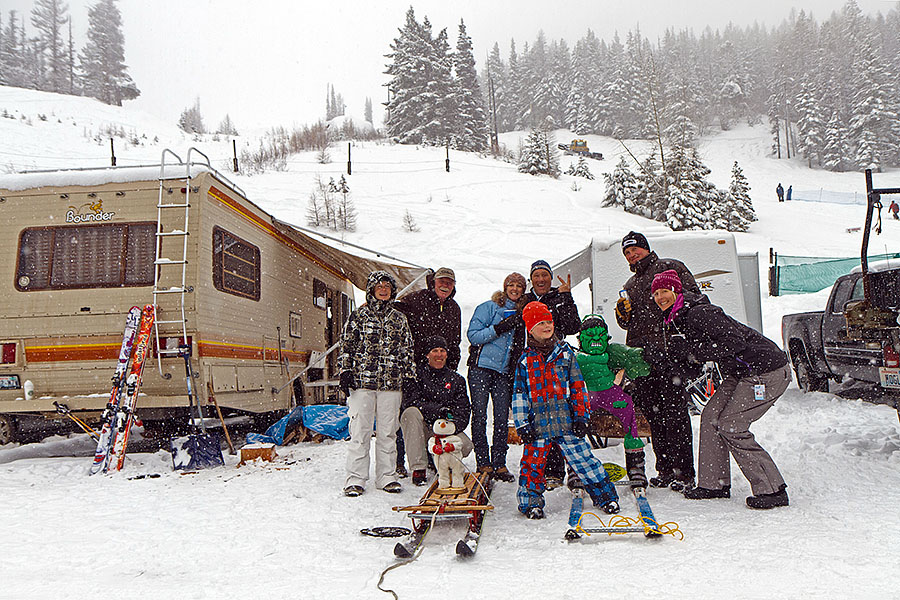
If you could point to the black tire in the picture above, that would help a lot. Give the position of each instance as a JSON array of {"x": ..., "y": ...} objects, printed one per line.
[
  {"x": 807, "y": 379},
  {"x": 8, "y": 432}
]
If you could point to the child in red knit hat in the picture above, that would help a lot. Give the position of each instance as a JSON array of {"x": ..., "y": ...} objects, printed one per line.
[{"x": 550, "y": 406}]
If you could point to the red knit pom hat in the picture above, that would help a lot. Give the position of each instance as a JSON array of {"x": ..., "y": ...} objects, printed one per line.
[
  {"x": 534, "y": 313},
  {"x": 668, "y": 280}
]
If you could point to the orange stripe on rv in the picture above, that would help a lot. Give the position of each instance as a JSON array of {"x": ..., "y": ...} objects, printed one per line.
[
  {"x": 266, "y": 227},
  {"x": 71, "y": 352},
  {"x": 82, "y": 352}
]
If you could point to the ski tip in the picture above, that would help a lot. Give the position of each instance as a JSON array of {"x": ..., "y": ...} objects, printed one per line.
[
  {"x": 572, "y": 535},
  {"x": 400, "y": 551},
  {"x": 463, "y": 550}
]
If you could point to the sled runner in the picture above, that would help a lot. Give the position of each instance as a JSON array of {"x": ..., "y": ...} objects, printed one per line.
[{"x": 470, "y": 504}]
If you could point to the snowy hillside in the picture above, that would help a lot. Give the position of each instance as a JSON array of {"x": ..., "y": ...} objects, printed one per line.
[{"x": 286, "y": 530}]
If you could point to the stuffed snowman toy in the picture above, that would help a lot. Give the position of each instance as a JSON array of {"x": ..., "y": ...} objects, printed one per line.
[{"x": 446, "y": 447}]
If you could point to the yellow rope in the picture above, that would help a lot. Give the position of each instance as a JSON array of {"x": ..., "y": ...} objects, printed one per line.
[{"x": 624, "y": 521}]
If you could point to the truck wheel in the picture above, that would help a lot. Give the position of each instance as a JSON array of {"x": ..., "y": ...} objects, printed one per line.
[
  {"x": 808, "y": 380},
  {"x": 7, "y": 429}
]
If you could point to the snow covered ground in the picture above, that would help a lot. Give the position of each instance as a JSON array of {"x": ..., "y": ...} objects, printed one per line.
[{"x": 285, "y": 529}]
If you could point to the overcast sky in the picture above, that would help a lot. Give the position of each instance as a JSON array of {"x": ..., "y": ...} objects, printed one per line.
[{"x": 269, "y": 62}]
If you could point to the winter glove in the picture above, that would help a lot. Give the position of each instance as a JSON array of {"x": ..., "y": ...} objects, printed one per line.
[
  {"x": 346, "y": 382},
  {"x": 526, "y": 434},
  {"x": 620, "y": 404},
  {"x": 623, "y": 309},
  {"x": 579, "y": 429},
  {"x": 449, "y": 447},
  {"x": 507, "y": 324},
  {"x": 436, "y": 449}
]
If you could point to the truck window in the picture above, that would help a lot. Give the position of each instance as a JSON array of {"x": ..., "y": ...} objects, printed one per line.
[
  {"x": 858, "y": 291},
  {"x": 842, "y": 295},
  {"x": 86, "y": 256},
  {"x": 236, "y": 265}
]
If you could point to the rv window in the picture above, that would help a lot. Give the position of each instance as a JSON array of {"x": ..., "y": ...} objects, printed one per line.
[
  {"x": 235, "y": 265},
  {"x": 296, "y": 324},
  {"x": 320, "y": 294},
  {"x": 86, "y": 256}
]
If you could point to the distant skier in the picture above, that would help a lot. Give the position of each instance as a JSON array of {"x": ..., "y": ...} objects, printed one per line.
[
  {"x": 780, "y": 191},
  {"x": 789, "y": 190},
  {"x": 894, "y": 209}
]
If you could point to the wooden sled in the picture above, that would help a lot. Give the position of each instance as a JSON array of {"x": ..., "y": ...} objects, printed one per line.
[
  {"x": 604, "y": 426},
  {"x": 470, "y": 504}
]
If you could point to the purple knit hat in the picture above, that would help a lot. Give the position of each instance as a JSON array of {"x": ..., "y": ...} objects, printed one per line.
[{"x": 666, "y": 280}]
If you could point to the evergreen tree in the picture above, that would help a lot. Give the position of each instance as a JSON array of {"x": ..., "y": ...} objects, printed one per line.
[
  {"x": 538, "y": 155},
  {"x": 472, "y": 131},
  {"x": 620, "y": 185},
  {"x": 12, "y": 71},
  {"x": 191, "y": 121},
  {"x": 367, "y": 111},
  {"x": 226, "y": 127},
  {"x": 49, "y": 18},
  {"x": 580, "y": 169},
  {"x": 691, "y": 197},
  {"x": 836, "y": 155},
  {"x": 102, "y": 60},
  {"x": 420, "y": 108}
]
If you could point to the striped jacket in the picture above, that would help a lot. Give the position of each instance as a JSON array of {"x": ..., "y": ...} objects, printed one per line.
[{"x": 550, "y": 395}]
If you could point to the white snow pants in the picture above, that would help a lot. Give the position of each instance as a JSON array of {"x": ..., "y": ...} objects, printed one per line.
[{"x": 368, "y": 409}]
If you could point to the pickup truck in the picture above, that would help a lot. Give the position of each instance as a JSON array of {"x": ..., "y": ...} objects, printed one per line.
[{"x": 821, "y": 348}]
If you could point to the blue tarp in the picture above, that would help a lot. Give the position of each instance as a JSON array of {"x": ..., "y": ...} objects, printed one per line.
[{"x": 328, "y": 419}]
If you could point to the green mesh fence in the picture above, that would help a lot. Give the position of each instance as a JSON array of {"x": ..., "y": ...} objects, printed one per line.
[{"x": 808, "y": 274}]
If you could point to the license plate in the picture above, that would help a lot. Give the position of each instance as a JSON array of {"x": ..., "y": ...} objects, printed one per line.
[
  {"x": 890, "y": 377},
  {"x": 9, "y": 382}
]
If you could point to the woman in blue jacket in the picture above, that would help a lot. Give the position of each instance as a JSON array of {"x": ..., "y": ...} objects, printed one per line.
[{"x": 490, "y": 334}]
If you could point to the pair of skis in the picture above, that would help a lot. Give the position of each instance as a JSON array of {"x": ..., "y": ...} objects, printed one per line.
[
  {"x": 118, "y": 415},
  {"x": 645, "y": 524}
]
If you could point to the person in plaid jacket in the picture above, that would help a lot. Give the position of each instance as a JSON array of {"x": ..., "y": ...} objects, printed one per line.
[{"x": 550, "y": 406}]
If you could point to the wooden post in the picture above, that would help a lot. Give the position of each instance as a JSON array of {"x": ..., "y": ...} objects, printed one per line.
[
  {"x": 112, "y": 152},
  {"x": 447, "y": 160},
  {"x": 234, "y": 149},
  {"x": 349, "y": 166}
]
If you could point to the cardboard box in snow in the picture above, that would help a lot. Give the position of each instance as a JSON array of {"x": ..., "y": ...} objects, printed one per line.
[{"x": 729, "y": 279}]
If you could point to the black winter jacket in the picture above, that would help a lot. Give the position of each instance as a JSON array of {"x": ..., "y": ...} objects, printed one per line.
[
  {"x": 702, "y": 332},
  {"x": 435, "y": 389},
  {"x": 428, "y": 316}
]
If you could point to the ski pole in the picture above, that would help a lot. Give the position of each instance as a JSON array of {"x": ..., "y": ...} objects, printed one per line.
[{"x": 64, "y": 410}]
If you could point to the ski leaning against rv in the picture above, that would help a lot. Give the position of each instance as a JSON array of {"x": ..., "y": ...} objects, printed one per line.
[{"x": 255, "y": 298}]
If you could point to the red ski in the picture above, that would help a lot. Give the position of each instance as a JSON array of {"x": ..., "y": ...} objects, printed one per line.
[
  {"x": 125, "y": 414},
  {"x": 104, "y": 444}
]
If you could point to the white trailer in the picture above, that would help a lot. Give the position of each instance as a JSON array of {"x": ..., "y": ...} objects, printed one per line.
[{"x": 728, "y": 279}]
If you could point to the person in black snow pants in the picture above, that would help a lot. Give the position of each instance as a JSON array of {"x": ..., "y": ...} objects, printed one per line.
[
  {"x": 756, "y": 372},
  {"x": 660, "y": 396},
  {"x": 780, "y": 191}
]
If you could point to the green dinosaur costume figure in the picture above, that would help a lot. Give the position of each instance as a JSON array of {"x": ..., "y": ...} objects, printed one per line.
[{"x": 600, "y": 362}]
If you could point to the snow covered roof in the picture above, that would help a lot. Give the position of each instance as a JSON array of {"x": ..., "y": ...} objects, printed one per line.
[{"x": 17, "y": 182}]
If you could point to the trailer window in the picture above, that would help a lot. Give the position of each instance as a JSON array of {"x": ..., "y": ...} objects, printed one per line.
[
  {"x": 235, "y": 265},
  {"x": 86, "y": 256}
]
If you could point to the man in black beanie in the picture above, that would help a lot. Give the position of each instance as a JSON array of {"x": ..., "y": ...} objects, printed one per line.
[{"x": 660, "y": 396}]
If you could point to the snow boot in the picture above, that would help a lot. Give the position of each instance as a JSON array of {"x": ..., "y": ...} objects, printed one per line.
[
  {"x": 680, "y": 485},
  {"x": 419, "y": 477},
  {"x": 634, "y": 466},
  {"x": 535, "y": 512},
  {"x": 662, "y": 480},
  {"x": 766, "y": 501},
  {"x": 503, "y": 474},
  {"x": 354, "y": 490},
  {"x": 573, "y": 481},
  {"x": 702, "y": 493},
  {"x": 611, "y": 507},
  {"x": 393, "y": 487}
]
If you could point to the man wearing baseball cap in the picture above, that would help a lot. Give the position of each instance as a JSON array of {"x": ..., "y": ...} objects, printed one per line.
[
  {"x": 431, "y": 312},
  {"x": 660, "y": 396}
]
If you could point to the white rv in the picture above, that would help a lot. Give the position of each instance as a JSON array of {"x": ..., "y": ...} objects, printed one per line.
[{"x": 729, "y": 279}]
